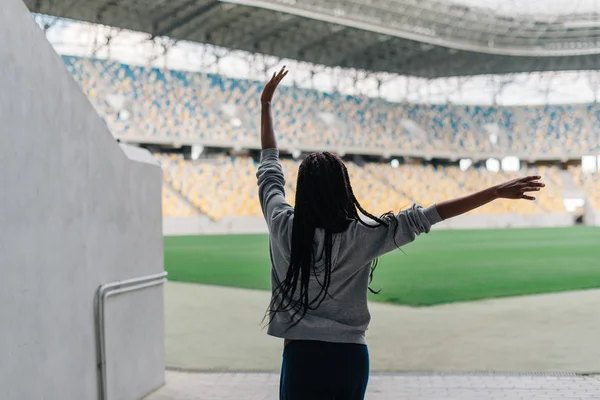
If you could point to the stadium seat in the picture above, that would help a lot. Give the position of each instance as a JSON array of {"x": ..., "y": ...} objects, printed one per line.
[
  {"x": 226, "y": 186},
  {"x": 589, "y": 184},
  {"x": 168, "y": 103}
]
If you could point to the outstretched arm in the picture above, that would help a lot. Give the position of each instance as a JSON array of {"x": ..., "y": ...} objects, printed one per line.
[
  {"x": 271, "y": 182},
  {"x": 515, "y": 189},
  {"x": 267, "y": 135}
]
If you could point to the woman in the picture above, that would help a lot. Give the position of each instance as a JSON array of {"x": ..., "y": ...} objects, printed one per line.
[{"x": 323, "y": 252}]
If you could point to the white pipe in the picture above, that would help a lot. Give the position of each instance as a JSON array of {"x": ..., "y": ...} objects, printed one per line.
[
  {"x": 103, "y": 293},
  {"x": 132, "y": 281}
]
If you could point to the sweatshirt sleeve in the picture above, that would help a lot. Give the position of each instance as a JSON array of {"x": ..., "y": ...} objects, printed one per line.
[
  {"x": 271, "y": 192},
  {"x": 407, "y": 226}
]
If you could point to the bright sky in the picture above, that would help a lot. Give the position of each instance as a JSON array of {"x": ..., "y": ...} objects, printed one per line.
[
  {"x": 75, "y": 38},
  {"x": 536, "y": 7}
]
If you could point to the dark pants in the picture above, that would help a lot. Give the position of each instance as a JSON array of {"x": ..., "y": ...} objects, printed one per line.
[{"x": 324, "y": 371}]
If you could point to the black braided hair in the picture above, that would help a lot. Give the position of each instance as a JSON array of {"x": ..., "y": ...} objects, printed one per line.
[{"x": 325, "y": 200}]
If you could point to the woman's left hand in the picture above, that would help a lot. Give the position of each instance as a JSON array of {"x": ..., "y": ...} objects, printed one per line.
[{"x": 267, "y": 93}]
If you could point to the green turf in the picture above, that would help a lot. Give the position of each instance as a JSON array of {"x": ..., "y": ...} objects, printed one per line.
[{"x": 442, "y": 267}]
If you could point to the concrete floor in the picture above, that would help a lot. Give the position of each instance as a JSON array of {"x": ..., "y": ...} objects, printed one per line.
[
  {"x": 264, "y": 386},
  {"x": 216, "y": 328}
]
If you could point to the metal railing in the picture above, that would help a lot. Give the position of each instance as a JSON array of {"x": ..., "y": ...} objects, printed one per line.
[{"x": 102, "y": 294}]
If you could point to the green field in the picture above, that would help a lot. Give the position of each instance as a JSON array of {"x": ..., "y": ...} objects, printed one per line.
[{"x": 442, "y": 267}]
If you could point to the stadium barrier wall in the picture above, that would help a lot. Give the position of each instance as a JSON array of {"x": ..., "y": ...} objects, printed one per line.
[
  {"x": 592, "y": 217},
  {"x": 202, "y": 225},
  {"x": 77, "y": 212},
  {"x": 488, "y": 221},
  {"x": 248, "y": 225}
]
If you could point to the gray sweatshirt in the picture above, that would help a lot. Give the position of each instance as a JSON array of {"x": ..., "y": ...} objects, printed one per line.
[{"x": 344, "y": 316}]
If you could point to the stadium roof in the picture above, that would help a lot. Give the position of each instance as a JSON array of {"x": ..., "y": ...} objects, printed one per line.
[{"x": 425, "y": 38}]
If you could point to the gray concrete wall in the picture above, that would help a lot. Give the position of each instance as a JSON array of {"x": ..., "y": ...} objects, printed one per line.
[
  {"x": 76, "y": 212},
  {"x": 596, "y": 216},
  {"x": 592, "y": 217},
  {"x": 204, "y": 226},
  {"x": 488, "y": 221}
]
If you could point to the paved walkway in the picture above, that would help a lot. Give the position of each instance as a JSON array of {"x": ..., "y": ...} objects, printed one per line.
[
  {"x": 218, "y": 329},
  {"x": 264, "y": 386}
]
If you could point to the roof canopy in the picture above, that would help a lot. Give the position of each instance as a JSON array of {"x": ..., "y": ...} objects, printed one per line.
[{"x": 425, "y": 38}]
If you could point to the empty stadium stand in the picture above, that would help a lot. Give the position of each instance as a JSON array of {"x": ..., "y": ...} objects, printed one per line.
[
  {"x": 226, "y": 186},
  {"x": 589, "y": 184},
  {"x": 155, "y": 104},
  {"x": 158, "y": 104}
]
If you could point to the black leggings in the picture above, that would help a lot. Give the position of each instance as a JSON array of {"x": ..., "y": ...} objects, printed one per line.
[{"x": 314, "y": 370}]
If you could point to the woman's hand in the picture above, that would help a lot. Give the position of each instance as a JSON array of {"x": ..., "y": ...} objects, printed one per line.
[
  {"x": 267, "y": 93},
  {"x": 267, "y": 135},
  {"x": 517, "y": 188},
  {"x": 514, "y": 189}
]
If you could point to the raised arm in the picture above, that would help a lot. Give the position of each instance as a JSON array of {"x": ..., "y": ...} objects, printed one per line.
[
  {"x": 271, "y": 182},
  {"x": 267, "y": 134},
  {"x": 514, "y": 189},
  {"x": 417, "y": 220}
]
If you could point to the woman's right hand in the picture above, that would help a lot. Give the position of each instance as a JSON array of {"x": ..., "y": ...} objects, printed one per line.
[
  {"x": 517, "y": 188},
  {"x": 267, "y": 93}
]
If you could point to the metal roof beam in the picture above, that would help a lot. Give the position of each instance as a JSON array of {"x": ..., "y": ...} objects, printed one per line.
[
  {"x": 476, "y": 31},
  {"x": 319, "y": 42},
  {"x": 272, "y": 29},
  {"x": 348, "y": 56},
  {"x": 186, "y": 19},
  {"x": 172, "y": 13}
]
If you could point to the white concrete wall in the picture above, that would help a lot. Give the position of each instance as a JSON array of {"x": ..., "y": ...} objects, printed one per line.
[
  {"x": 202, "y": 225},
  {"x": 592, "y": 217},
  {"x": 596, "y": 219},
  {"x": 75, "y": 212},
  {"x": 232, "y": 225},
  {"x": 488, "y": 221}
]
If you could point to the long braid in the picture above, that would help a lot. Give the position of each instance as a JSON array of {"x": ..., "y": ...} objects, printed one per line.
[{"x": 324, "y": 200}]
